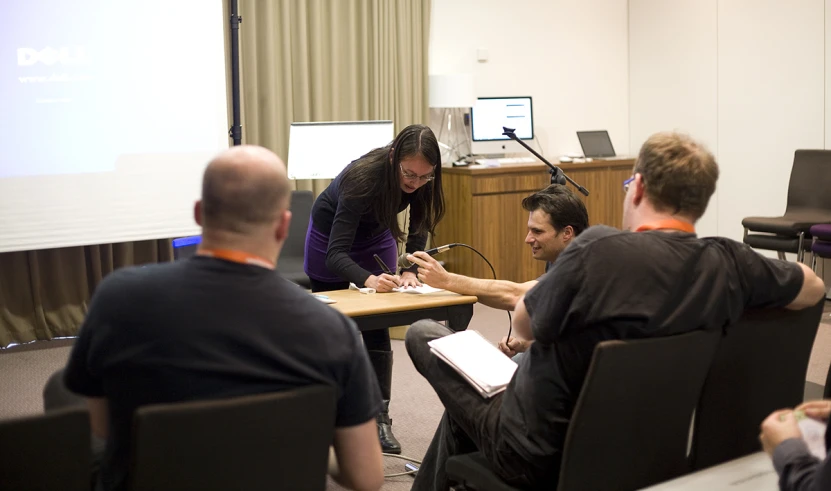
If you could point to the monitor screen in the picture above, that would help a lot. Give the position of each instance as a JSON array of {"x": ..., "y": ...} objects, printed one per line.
[
  {"x": 490, "y": 114},
  {"x": 322, "y": 150},
  {"x": 596, "y": 144}
]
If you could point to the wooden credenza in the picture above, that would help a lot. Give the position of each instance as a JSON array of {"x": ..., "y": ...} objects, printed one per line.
[{"x": 484, "y": 210}]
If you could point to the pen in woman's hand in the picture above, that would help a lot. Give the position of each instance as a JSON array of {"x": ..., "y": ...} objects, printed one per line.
[
  {"x": 383, "y": 265},
  {"x": 395, "y": 278}
]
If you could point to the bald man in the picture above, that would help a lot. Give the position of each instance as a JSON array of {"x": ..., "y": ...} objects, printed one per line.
[{"x": 151, "y": 332}]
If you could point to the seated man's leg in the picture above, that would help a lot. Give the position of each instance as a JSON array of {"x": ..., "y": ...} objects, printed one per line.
[{"x": 470, "y": 421}]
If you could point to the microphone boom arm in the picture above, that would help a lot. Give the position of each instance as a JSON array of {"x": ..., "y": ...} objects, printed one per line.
[{"x": 556, "y": 171}]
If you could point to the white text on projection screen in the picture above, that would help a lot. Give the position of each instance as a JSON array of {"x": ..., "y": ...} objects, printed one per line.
[
  {"x": 490, "y": 115},
  {"x": 115, "y": 99}
]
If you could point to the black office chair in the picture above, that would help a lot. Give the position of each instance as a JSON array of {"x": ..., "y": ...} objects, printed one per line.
[
  {"x": 290, "y": 264},
  {"x": 47, "y": 452},
  {"x": 759, "y": 367},
  {"x": 809, "y": 203},
  {"x": 261, "y": 442},
  {"x": 630, "y": 426}
]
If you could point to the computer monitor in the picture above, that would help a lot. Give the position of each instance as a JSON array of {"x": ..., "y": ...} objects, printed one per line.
[
  {"x": 322, "y": 150},
  {"x": 596, "y": 144},
  {"x": 488, "y": 117}
]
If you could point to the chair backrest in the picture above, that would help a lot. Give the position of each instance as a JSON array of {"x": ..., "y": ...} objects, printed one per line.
[
  {"x": 810, "y": 180},
  {"x": 261, "y": 442},
  {"x": 630, "y": 426},
  {"x": 46, "y": 452},
  {"x": 185, "y": 247},
  {"x": 759, "y": 367},
  {"x": 301, "y": 212}
]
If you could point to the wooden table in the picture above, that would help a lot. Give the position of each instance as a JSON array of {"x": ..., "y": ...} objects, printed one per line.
[
  {"x": 752, "y": 473},
  {"x": 484, "y": 210},
  {"x": 383, "y": 310}
]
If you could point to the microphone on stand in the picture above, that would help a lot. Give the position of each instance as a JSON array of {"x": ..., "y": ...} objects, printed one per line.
[
  {"x": 557, "y": 174},
  {"x": 404, "y": 263}
]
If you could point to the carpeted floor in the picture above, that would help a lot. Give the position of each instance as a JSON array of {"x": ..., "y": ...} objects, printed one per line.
[{"x": 415, "y": 408}]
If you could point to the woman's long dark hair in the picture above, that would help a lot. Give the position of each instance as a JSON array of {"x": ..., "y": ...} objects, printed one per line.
[{"x": 376, "y": 177}]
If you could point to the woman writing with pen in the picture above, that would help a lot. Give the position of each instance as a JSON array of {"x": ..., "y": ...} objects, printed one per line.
[{"x": 356, "y": 218}]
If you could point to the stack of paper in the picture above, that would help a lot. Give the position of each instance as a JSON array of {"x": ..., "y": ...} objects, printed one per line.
[
  {"x": 813, "y": 432},
  {"x": 486, "y": 368},
  {"x": 421, "y": 289}
]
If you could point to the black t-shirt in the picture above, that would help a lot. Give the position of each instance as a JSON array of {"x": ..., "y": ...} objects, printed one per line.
[
  {"x": 206, "y": 328},
  {"x": 347, "y": 220},
  {"x": 614, "y": 285}
]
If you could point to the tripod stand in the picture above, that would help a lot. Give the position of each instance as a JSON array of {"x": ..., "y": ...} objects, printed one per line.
[{"x": 557, "y": 174}]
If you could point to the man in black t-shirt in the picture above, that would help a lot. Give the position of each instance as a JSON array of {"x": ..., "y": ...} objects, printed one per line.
[
  {"x": 223, "y": 324},
  {"x": 556, "y": 216},
  {"x": 655, "y": 279}
]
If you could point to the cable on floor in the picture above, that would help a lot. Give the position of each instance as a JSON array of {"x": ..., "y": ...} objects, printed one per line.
[{"x": 402, "y": 457}]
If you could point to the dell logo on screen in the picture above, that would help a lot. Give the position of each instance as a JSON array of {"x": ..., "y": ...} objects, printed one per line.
[{"x": 49, "y": 56}]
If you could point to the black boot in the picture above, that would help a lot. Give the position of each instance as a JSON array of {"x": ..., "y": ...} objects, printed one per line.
[
  {"x": 389, "y": 444},
  {"x": 382, "y": 363}
]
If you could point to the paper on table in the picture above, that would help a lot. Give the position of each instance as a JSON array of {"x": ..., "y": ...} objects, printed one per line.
[{"x": 418, "y": 289}]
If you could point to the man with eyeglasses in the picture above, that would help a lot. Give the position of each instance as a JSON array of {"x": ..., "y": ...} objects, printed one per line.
[
  {"x": 556, "y": 216},
  {"x": 609, "y": 284}
]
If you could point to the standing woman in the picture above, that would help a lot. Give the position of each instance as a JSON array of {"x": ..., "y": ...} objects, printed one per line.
[{"x": 357, "y": 217}]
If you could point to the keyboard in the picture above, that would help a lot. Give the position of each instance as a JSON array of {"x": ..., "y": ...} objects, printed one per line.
[{"x": 507, "y": 160}]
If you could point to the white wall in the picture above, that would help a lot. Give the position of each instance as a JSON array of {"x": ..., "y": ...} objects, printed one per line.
[
  {"x": 571, "y": 56},
  {"x": 766, "y": 61},
  {"x": 673, "y": 76}
]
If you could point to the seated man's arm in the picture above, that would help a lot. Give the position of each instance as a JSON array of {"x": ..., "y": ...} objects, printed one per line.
[
  {"x": 499, "y": 294},
  {"x": 812, "y": 291},
  {"x": 522, "y": 321},
  {"x": 99, "y": 416},
  {"x": 358, "y": 453},
  {"x": 356, "y": 444},
  {"x": 774, "y": 283}
]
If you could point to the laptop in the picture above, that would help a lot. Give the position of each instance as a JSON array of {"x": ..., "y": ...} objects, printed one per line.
[{"x": 596, "y": 144}]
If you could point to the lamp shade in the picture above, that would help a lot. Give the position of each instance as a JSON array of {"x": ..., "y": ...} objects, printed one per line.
[{"x": 454, "y": 90}]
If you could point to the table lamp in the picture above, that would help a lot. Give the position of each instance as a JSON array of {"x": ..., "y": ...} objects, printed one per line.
[{"x": 453, "y": 93}]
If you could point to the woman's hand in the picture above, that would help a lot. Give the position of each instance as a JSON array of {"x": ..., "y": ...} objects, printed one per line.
[
  {"x": 409, "y": 279},
  {"x": 382, "y": 284}
]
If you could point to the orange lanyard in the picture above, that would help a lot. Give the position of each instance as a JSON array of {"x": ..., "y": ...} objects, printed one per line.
[
  {"x": 671, "y": 224},
  {"x": 236, "y": 257}
]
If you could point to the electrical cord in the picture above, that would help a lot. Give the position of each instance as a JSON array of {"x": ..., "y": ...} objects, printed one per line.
[
  {"x": 402, "y": 457},
  {"x": 493, "y": 272}
]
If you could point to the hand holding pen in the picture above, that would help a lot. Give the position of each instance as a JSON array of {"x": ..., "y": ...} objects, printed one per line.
[{"x": 385, "y": 282}]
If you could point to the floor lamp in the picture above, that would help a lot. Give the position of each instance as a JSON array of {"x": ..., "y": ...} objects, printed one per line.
[{"x": 453, "y": 94}]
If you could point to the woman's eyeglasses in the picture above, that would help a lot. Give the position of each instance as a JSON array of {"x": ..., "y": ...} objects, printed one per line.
[{"x": 412, "y": 177}]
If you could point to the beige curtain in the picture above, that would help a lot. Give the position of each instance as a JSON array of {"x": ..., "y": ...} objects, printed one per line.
[
  {"x": 44, "y": 294},
  {"x": 331, "y": 60}
]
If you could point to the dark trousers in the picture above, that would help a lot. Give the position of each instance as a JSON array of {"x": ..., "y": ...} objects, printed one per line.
[{"x": 470, "y": 422}]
